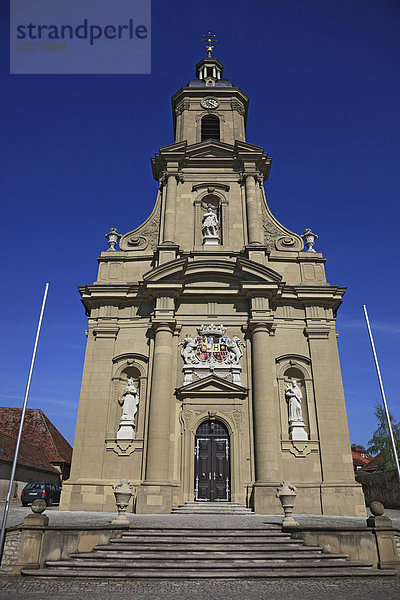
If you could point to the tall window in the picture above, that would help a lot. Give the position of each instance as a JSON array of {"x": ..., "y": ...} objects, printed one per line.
[{"x": 210, "y": 128}]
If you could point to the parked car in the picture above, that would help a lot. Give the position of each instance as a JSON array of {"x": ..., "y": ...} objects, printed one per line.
[{"x": 50, "y": 492}]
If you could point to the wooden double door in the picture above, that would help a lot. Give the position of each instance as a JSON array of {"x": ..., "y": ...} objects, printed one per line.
[{"x": 212, "y": 479}]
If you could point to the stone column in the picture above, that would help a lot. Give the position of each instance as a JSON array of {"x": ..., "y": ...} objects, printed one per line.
[
  {"x": 155, "y": 495},
  {"x": 253, "y": 218},
  {"x": 170, "y": 209},
  {"x": 266, "y": 421}
]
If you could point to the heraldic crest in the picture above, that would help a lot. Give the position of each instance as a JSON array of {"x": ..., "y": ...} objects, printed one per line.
[{"x": 211, "y": 349}]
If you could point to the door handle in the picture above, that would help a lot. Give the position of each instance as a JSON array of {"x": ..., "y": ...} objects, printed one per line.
[
  {"x": 209, "y": 476},
  {"x": 214, "y": 476}
]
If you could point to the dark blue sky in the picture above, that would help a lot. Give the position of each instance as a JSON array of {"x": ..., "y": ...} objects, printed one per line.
[{"x": 324, "y": 87}]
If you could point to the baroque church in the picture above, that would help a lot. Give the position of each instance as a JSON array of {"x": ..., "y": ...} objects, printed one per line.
[{"x": 212, "y": 370}]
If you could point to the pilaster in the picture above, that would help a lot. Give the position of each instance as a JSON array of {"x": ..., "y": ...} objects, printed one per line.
[{"x": 339, "y": 492}]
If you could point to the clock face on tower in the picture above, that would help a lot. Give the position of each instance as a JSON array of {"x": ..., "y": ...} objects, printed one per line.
[{"x": 210, "y": 103}]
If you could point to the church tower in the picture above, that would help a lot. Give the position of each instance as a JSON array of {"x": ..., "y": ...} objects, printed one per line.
[{"x": 212, "y": 369}]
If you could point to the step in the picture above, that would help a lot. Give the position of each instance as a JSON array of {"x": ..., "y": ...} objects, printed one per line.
[
  {"x": 206, "y": 503},
  {"x": 186, "y": 511},
  {"x": 292, "y": 555},
  {"x": 139, "y": 547},
  {"x": 205, "y": 564},
  {"x": 165, "y": 539},
  {"x": 237, "y": 533},
  {"x": 206, "y": 574},
  {"x": 185, "y": 548}
]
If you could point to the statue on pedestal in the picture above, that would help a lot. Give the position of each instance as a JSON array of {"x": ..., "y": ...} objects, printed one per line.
[
  {"x": 129, "y": 402},
  {"x": 210, "y": 227},
  {"x": 293, "y": 396}
]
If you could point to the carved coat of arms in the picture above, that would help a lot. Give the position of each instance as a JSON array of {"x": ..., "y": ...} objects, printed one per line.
[{"x": 211, "y": 346}]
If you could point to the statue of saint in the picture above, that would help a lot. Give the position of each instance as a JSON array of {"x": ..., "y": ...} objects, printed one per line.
[
  {"x": 129, "y": 401},
  {"x": 210, "y": 225},
  {"x": 293, "y": 396}
]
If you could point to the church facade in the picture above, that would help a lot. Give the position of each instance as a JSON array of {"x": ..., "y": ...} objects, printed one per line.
[{"x": 212, "y": 370}]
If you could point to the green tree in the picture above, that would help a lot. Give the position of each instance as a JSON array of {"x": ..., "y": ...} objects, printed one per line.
[
  {"x": 381, "y": 442},
  {"x": 359, "y": 447}
]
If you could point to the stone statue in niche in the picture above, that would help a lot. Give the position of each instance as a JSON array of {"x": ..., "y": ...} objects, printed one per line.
[
  {"x": 293, "y": 397},
  {"x": 210, "y": 227},
  {"x": 235, "y": 351},
  {"x": 129, "y": 402},
  {"x": 188, "y": 352}
]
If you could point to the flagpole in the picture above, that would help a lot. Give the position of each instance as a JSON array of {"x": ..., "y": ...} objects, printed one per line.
[
  {"x": 14, "y": 465},
  {"x": 371, "y": 339}
]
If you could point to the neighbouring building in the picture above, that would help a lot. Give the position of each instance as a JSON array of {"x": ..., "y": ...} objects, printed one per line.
[
  {"x": 44, "y": 454},
  {"x": 360, "y": 456},
  {"x": 212, "y": 369}
]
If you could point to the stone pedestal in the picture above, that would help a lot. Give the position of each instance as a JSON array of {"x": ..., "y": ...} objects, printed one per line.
[
  {"x": 297, "y": 431},
  {"x": 200, "y": 370},
  {"x": 153, "y": 498},
  {"x": 211, "y": 240},
  {"x": 126, "y": 431},
  {"x": 265, "y": 501},
  {"x": 31, "y": 542},
  {"x": 386, "y": 545}
]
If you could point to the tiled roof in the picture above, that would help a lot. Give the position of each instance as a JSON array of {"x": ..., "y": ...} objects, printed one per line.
[
  {"x": 38, "y": 431},
  {"x": 28, "y": 455},
  {"x": 359, "y": 460},
  {"x": 373, "y": 464}
]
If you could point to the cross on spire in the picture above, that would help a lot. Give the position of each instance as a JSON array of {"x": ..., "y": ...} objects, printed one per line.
[{"x": 210, "y": 38}]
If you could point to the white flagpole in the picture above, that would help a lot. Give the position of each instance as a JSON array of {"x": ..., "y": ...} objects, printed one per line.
[
  {"x": 14, "y": 465},
  {"x": 396, "y": 458}
]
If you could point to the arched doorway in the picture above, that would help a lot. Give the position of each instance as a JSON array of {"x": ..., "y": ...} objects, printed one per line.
[{"x": 212, "y": 478}]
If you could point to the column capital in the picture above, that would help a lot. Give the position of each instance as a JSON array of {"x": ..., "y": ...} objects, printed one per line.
[
  {"x": 105, "y": 331},
  {"x": 168, "y": 326},
  {"x": 317, "y": 333},
  {"x": 256, "y": 326},
  {"x": 170, "y": 173}
]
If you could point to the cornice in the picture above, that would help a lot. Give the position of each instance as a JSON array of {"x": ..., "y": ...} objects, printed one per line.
[{"x": 248, "y": 159}]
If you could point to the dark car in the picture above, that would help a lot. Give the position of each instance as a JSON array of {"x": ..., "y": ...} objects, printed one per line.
[{"x": 50, "y": 492}]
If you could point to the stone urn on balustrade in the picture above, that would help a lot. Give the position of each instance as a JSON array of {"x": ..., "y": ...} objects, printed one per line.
[
  {"x": 123, "y": 491},
  {"x": 287, "y": 496}
]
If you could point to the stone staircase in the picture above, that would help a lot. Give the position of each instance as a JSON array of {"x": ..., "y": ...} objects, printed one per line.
[
  {"x": 196, "y": 553},
  {"x": 211, "y": 508}
]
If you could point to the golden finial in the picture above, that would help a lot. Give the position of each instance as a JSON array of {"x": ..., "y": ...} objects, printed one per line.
[{"x": 210, "y": 38}]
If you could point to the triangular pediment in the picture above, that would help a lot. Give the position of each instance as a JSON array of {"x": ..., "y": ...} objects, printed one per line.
[
  {"x": 211, "y": 386},
  {"x": 210, "y": 149}
]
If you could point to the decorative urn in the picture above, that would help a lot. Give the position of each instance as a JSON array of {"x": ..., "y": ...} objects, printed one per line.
[
  {"x": 309, "y": 239},
  {"x": 113, "y": 236},
  {"x": 123, "y": 491},
  {"x": 287, "y": 495}
]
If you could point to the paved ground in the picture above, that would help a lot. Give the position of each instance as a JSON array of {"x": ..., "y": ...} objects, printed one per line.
[
  {"x": 13, "y": 588},
  {"x": 18, "y": 512},
  {"x": 332, "y": 589}
]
